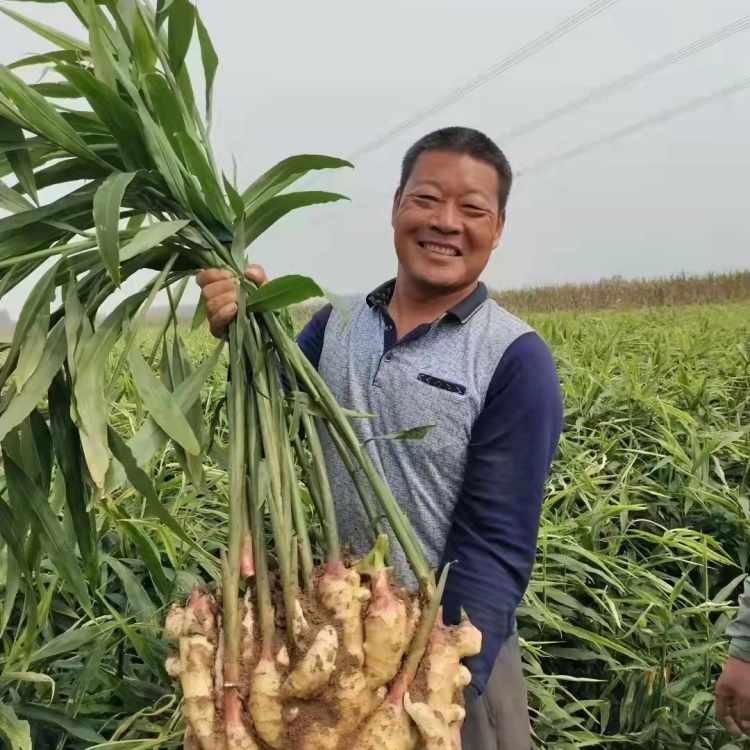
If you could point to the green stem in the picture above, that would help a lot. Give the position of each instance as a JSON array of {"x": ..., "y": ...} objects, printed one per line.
[
  {"x": 256, "y": 501},
  {"x": 374, "y": 564},
  {"x": 62, "y": 250},
  {"x": 267, "y": 401},
  {"x": 421, "y": 638},
  {"x": 300, "y": 522},
  {"x": 330, "y": 527},
  {"x": 236, "y": 407},
  {"x": 396, "y": 518},
  {"x": 165, "y": 325},
  {"x": 309, "y": 478},
  {"x": 362, "y": 491}
]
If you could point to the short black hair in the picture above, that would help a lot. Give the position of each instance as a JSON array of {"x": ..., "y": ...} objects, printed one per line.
[{"x": 460, "y": 140}]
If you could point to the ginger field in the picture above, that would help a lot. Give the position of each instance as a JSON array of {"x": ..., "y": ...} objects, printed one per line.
[{"x": 641, "y": 552}]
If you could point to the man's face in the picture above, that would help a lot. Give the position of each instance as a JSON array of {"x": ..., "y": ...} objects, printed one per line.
[{"x": 447, "y": 220}]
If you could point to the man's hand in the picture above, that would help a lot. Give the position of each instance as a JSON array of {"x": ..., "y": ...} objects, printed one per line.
[
  {"x": 219, "y": 294},
  {"x": 733, "y": 697}
]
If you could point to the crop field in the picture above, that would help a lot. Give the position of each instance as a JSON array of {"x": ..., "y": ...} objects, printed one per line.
[
  {"x": 641, "y": 552},
  {"x": 617, "y": 294}
]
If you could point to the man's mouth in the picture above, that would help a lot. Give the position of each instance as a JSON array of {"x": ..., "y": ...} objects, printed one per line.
[{"x": 440, "y": 248}]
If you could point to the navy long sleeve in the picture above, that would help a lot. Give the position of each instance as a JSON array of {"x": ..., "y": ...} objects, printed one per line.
[
  {"x": 310, "y": 338},
  {"x": 493, "y": 539}
]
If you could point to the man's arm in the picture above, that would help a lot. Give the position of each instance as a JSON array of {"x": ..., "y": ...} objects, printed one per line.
[
  {"x": 310, "y": 338},
  {"x": 493, "y": 539},
  {"x": 739, "y": 630},
  {"x": 733, "y": 687}
]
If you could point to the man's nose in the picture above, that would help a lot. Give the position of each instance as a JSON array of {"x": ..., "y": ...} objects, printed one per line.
[{"x": 446, "y": 218}]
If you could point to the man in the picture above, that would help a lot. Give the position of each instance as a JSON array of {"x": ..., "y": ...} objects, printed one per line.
[
  {"x": 733, "y": 687},
  {"x": 430, "y": 347}
]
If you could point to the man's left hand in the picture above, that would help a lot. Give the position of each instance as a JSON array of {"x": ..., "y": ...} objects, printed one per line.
[{"x": 733, "y": 697}]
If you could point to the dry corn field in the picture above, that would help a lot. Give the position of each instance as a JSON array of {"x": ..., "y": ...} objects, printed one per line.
[
  {"x": 642, "y": 548},
  {"x": 616, "y": 294}
]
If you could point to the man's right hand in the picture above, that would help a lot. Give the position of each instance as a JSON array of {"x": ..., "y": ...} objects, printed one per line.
[{"x": 219, "y": 293}]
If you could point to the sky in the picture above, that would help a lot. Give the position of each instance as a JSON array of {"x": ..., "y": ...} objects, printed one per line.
[{"x": 331, "y": 76}]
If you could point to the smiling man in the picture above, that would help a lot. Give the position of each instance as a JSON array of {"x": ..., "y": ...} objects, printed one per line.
[{"x": 430, "y": 347}]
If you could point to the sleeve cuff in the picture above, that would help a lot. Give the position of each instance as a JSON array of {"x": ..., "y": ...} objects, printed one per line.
[{"x": 739, "y": 648}]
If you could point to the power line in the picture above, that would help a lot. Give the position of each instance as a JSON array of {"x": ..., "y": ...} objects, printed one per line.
[
  {"x": 537, "y": 45},
  {"x": 628, "y": 80},
  {"x": 624, "y": 82},
  {"x": 637, "y": 127}
]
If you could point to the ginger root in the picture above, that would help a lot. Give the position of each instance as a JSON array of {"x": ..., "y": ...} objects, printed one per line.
[
  {"x": 386, "y": 633},
  {"x": 265, "y": 702},
  {"x": 310, "y": 677},
  {"x": 342, "y": 594},
  {"x": 341, "y": 683}
]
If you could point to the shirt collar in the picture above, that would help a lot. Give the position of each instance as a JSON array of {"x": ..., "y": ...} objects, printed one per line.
[{"x": 462, "y": 311}]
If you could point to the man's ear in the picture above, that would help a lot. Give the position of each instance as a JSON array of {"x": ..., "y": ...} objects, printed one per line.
[
  {"x": 499, "y": 227},
  {"x": 396, "y": 204}
]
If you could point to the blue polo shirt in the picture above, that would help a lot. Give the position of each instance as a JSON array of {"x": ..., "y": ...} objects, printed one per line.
[{"x": 473, "y": 488}]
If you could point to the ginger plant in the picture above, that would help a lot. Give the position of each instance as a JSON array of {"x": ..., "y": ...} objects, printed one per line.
[{"x": 281, "y": 654}]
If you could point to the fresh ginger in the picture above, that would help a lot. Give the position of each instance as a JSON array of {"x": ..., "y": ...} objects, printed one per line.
[
  {"x": 352, "y": 700},
  {"x": 342, "y": 594},
  {"x": 389, "y": 727},
  {"x": 310, "y": 677},
  {"x": 438, "y": 730},
  {"x": 442, "y": 664},
  {"x": 341, "y": 685},
  {"x": 355, "y": 699},
  {"x": 197, "y": 659},
  {"x": 265, "y": 702},
  {"x": 386, "y": 633}
]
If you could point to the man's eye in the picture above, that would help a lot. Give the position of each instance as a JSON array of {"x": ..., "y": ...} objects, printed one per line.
[
  {"x": 429, "y": 198},
  {"x": 475, "y": 210}
]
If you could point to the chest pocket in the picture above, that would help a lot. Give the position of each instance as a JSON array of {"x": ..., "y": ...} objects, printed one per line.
[{"x": 432, "y": 397}]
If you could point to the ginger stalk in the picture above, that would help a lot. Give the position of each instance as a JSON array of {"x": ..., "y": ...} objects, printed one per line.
[
  {"x": 248, "y": 644},
  {"x": 247, "y": 566},
  {"x": 415, "y": 614},
  {"x": 300, "y": 628},
  {"x": 310, "y": 677},
  {"x": 238, "y": 735}
]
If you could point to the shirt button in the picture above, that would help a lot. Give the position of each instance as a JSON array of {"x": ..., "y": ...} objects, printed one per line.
[
  {"x": 388, "y": 357},
  {"x": 389, "y": 327}
]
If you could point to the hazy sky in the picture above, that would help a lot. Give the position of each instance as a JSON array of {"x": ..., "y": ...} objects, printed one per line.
[{"x": 332, "y": 75}]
